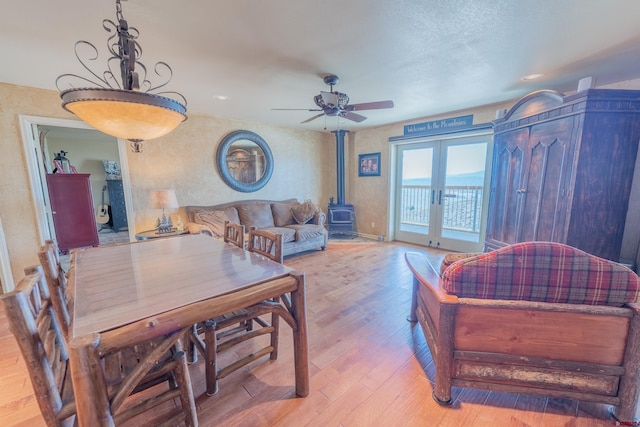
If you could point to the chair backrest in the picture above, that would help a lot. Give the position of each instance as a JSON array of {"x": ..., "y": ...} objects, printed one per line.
[
  {"x": 55, "y": 277},
  {"x": 34, "y": 324},
  {"x": 266, "y": 243},
  {"x": 234, "y": 233}
]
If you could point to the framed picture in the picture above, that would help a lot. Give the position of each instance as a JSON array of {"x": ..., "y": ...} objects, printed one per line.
[{"x": 369, "y": 164}]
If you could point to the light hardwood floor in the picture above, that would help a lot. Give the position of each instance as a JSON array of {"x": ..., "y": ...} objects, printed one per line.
[{"x": 368, "y": 365}]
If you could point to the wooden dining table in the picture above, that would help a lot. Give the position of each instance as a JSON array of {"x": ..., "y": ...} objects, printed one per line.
[{"x": 125, "y": 294}]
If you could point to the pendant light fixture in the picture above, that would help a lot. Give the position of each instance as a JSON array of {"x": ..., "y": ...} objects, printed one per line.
[{"x": 124, "y": 109}]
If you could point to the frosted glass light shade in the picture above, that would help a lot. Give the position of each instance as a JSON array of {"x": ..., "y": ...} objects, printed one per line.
[
  {"x": 163, "y": 199},
  {"x": 126, "y": 114}
]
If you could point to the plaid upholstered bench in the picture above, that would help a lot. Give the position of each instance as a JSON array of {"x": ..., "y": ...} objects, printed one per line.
[{"x": 536, "y": 318}]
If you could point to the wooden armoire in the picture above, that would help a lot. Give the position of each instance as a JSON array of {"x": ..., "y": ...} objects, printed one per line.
[
  {"x": 563, "y": 168},
  {"x": 72, "y": 210}
]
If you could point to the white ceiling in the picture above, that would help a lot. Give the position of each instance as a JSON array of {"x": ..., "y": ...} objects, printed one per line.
[{"x": 429, "y": 57}]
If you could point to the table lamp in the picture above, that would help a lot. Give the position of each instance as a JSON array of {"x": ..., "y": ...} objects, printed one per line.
[{"x": 163, "y": 199}]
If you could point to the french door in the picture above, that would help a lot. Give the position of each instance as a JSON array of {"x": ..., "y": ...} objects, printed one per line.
[{"x": 440, "y": 194}]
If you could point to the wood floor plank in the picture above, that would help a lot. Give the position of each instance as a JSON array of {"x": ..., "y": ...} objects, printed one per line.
[{"x": 368, "y": 365}]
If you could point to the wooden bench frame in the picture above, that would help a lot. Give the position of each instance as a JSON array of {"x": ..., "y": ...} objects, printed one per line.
[{"x": 581, "y": 352}]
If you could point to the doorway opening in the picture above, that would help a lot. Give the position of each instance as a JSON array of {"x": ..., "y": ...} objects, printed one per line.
[
  {"x": 44, "y": 136},
  {"x": 441, "y": 192}
]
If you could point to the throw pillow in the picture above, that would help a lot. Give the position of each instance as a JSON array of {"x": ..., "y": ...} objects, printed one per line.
[
  {"x": 255, "y": 214},
  {"x": 282, "y": 213},
  {"x": 304, "y": 212},
  {"x": 212, "y": 219}
]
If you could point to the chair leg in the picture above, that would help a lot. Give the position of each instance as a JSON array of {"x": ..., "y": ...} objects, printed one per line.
[
  {"x": 211, "y": 349},
  {"x": 186, "y": 391},
  {"x": 275, "y": 323},
  {"x": 192, "y": 352}
]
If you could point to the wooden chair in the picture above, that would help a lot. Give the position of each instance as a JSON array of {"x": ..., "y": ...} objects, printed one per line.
[
  {"x": 266, "y": 243},
  {"x": 234, "y": 233},
  {"x": 37, "y": 329},
  {"x": 226, "y": 331},
  {"x": 57, "y": 282}
]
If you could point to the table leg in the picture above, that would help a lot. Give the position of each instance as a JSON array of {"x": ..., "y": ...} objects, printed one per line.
[
  {"x": 211, "y": 357},
  {"x": 190, "y": 345},
  {"x": 90, "y": 389},
  {"x": 412, "y": 317},
  {"x": 300, "y": 338}
]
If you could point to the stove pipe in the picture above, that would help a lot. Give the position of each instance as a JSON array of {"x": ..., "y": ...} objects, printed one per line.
[{"x": 340, "y": 163}]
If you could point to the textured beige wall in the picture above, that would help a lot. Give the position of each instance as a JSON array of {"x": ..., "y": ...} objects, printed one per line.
[
  {"x": 16, "y": 203},
  {"x": 183, "y": 160}
]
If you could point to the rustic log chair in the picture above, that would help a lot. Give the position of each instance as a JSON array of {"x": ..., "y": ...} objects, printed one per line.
[
  {"x": 535, "y": 318},
  {"x": 56, "y": 280},
  {"x": 226, "y": 331},
  {"x": 266, "y": 243},
  {"x": 234, "y": 233},
  {"x": 126, "y": 371}
]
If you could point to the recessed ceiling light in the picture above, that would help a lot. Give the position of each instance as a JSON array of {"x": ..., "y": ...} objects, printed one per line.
[
  {"x": 532, "y": 76},
  {"x": 221, "y": 97}
]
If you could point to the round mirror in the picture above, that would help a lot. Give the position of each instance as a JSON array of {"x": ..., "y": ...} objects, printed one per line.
[{"x": 244, "y": 161}]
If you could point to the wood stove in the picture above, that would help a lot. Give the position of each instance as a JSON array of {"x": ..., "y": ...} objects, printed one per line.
[
  {"x": 341, "y": 219},
  {"x": 341, "y": 216}
]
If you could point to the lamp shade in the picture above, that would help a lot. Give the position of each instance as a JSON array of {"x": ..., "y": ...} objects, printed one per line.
[
  {"x": 125, "y": 114},
  {"x": 163, "y": 199}
]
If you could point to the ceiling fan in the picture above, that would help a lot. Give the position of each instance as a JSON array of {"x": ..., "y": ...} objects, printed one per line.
[{"x": 335, "y": 103}]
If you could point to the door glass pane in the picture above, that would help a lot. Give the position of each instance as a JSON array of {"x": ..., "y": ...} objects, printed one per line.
[
  {"x": 416, "y": 191},
  {"x": 463, "y": 191}
]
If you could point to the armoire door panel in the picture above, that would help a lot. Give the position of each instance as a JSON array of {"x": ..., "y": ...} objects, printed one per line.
[
  {"x": 548, "y": 161},
  {"x": 513, "y": 195},
  {"x": 506, "y": 178},
  {"x": 500, "y": 174}
]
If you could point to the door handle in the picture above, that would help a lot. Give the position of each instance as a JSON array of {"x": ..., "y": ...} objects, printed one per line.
[
  {"x": 521, "y": 191},
  {"x": 440, "y": 197},
  {"x": 433, "y": 196}
]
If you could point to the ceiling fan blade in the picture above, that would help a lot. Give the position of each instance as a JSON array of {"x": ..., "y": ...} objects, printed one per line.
[
  {"x": 312, "y": 118},
  {"x": 329, "y": 98},
  {"x": 353, "y": 116},
  {"x": 294, "y": 109},
  {"x": 369, "y": 106}
]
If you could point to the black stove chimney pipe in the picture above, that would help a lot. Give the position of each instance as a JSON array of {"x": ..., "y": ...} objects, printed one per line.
[{"x": 340, "y": 163}]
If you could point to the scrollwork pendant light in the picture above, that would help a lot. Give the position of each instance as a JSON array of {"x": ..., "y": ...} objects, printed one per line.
[{"x": 126, "y": 109}]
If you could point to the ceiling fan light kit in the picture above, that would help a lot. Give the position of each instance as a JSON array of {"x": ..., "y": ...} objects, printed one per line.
[
  {"x": 334, "y": 103},
  {"x": 128, "y": 109}
]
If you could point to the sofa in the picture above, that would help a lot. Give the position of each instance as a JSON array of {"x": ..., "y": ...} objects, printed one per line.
[
  {"x": 536, "y": 318},
  {"x": 300, "y": 223}
]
